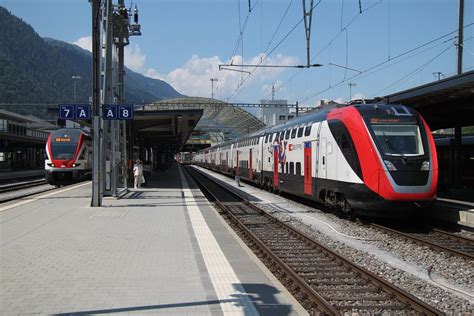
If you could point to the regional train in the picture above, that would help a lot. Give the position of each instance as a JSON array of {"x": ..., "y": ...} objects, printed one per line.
[
  {"x": 355, "y": 159},
  {"x": 69, "y": 157}
]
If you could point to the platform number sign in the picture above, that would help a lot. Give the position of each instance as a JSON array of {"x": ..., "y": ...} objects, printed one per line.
[
  {"x": 117, "y": 112},
  {"x": 83, "y": 112},
  {"x": 66, "y": 111},
  {"x": 125, "y": 112},
  {"x": 109, "y": 112},
  {"x": 74, "y": 111}
]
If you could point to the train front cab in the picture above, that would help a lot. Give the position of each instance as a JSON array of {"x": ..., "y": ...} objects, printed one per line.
[
  {"x": 396, "y": 155},
  {"x": 68, "y": 157}
]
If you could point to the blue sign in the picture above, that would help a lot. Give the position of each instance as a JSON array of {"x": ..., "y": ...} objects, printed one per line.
[
  {"x": 74, "y": 111},
  {"x": 83, "y": 112},
  {"x": 109, "y": 112},
  {"x": 125, "y": 112},
  {"x": 66, "y": 111}
]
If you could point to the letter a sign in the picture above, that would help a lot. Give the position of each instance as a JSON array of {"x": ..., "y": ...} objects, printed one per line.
[
  {"x": 109, "y": 112},
  {"x": 83, "y": 112}
]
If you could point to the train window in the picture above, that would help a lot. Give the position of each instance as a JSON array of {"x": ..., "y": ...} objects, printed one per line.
[
  {"x": 307, "y": 131},
  {"x": 293, "y": 133},
  {"x": 292, "y": 168},
  {"x": 83, "y": 154},
  {"x": 286, "y": 168},
  {"x": 300, "y": 131},
  {"x": 298, "y": 168},
  {"x": 287, "y": 134}
]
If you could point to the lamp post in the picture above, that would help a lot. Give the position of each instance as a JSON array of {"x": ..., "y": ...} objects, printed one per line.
[
  {"x": 212, "y": 86},
  {"x": 75, "y": 78},
  {"x": 351, "y": 84}
]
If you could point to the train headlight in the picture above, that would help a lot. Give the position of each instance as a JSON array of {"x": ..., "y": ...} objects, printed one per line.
[
  {"x": 390, "y": 165},
  {"x": 76, "y": 165},
  {"x": 425, "y": 166},
  {"x": 51, "y": 164}
]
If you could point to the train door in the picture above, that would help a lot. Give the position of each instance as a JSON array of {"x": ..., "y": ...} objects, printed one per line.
[
  {"x": 308, "y": 178},
  {"x": 275, "y": 166},
  {"x": 322, "y": 159},
  {"x": 237, "y": 164},
  {"x": 250, "y": 164},
  {"x": 227, "y": 162}
]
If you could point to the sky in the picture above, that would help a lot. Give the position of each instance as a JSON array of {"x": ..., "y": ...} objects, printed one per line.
[{"x": 391, "y": 46}]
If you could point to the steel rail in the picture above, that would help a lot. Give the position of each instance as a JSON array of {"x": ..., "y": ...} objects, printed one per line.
[
  {"x": 21, "y": 185},
  {"x": 432, "y": 245},
  {"x": 319, "y": 301}
]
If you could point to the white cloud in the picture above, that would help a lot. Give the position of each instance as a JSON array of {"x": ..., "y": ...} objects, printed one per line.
[
  {"x": 358, "y": 96},
  {"x": 134, "y": 58},
  {"x": 85, "y": 43},
  {"x": 193, "y": 78}
]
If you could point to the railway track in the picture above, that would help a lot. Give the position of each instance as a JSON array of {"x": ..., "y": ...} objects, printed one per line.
[
  {"x": 10, "y": 192},
  {"x": 323, "y": 281},
  {"x": 21, "y": 185},
  {"x": 436, "y": 239}
]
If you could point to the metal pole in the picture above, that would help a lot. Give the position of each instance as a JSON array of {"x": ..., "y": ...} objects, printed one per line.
[
  {"x": 297, "y": 109},
  {"x": 121, "y": 73},
  {"x": 458, "y": 127},
  {"x": 460, "y": 35},
  {"x": 107, "y": 99},
  {"x": 212, "y": 87},
  {"x": 96, "y": 196}
]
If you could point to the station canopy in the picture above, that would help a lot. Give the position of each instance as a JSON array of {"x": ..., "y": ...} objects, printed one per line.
[
  {"x": 443, "y": 104},
  {"x": 220, "y": 121}
]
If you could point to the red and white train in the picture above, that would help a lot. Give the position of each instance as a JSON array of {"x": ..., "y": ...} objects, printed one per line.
[
  {"x": 364, "y": 157},
  {"x": 69, "y": 157}
]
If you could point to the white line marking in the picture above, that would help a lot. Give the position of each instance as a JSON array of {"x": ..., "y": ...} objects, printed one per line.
[
  {"x": 7, "y": 207},
  {"x": 226, "y": 283}
]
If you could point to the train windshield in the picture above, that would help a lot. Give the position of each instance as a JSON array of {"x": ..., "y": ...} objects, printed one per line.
[
  {"x": 64, "y": 144},
  {"x": 399, "y": 140}
]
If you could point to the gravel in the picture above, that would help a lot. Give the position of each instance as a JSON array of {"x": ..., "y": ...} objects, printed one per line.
[
  {"x": 454, "y": 270},
  {"x": 17, "y": 194},
  {"x": 442, "y": 281}
]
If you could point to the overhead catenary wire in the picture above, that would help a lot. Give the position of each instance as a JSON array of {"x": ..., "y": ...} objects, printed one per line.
[
  {"x": 366, "y": 71},
  {"x": 239, "y": 88},
  {"x": 372, "y": 70},
  {"x": 411, "y": 74},
  {"x": 332, "y": 40}
]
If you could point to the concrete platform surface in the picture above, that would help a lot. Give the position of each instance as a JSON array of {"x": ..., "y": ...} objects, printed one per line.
[{"x": 161, "y": 250}]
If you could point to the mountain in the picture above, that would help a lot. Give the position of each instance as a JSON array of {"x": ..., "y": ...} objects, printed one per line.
[{"x": 39, "y": 70}]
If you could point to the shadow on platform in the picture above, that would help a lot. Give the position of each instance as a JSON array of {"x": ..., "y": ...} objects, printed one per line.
[
  {"x": 261, "y": 295},
  {"x": 167, "y": 179}
]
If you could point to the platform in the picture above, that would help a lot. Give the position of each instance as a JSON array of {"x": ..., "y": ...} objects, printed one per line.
[{"x": 162, "y": 250}]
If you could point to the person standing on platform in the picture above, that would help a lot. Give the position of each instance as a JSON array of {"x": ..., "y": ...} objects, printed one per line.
[{"x": 138, "y": 173}]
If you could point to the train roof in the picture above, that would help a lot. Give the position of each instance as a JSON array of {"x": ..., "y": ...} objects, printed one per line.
[{"x": 366, "y": 109}]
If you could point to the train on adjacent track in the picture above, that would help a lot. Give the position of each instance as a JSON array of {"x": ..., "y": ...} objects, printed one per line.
[
  {"x": 69, "y": 157},
  {"x": 364, "y": 158}
]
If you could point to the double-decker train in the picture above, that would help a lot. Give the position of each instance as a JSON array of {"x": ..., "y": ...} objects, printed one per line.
[
  {"x": 69, "y": 157},
  {"x": 362, "y": 157}
]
